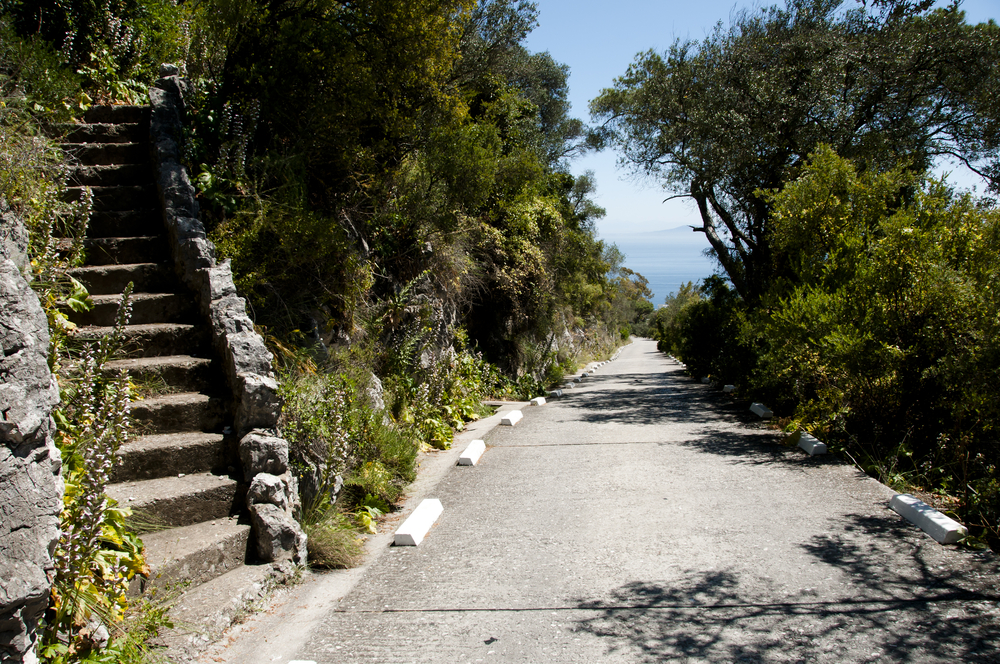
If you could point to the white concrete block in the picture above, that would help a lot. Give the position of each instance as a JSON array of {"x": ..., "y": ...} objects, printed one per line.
[
  {"x": 555, "y": 393},
  {"x": 415, "y": 528},
  {"x": 577, "y": 379},
  {"x": 706, "y": 380},
  {"x": 761, "y": 411},
  {"x": 928, "y": 519},
  {"x": 728, "y": 388},
  {"x": 471, "y": 453},
  {"x": 811, "y": 445},
  {"x": 568, "y": 386},
  {"x": 538, "y": 401},
  {"x": 511, "y": 418}
]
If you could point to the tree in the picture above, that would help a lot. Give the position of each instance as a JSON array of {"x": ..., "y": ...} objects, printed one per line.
[
  {"x": 667, "y": 318},
  {"x": 728, "y": 119}
]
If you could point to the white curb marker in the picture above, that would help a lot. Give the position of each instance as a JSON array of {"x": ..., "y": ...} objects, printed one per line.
[
  {"x": 511, "y": 418},
  {"x": 472, "y": 452},
  {"x": 728, "y": 388},
  {"x": 538, "y": 401},
  {"x": 811, "y": 444},
  {"x": 413, "y": 530},
  {"x": 945, "y": 530},
  {"x": 761, "y": 411}
]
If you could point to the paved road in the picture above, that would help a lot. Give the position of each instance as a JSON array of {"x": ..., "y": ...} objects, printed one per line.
[{"x": 645, "y": 518}]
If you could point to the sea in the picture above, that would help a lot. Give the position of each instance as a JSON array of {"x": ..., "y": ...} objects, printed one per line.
[{"x": 667, "y": 258}]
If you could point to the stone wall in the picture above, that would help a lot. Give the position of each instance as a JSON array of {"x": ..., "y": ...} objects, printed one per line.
[
  {"x": 31, "y": 488},
  {"x": 247, "y": 362}
]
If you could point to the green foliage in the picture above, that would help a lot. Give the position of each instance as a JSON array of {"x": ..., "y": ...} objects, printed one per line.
[
  {"x": 882, "y": 334},
  {"x": 666, "y": 323},
  {"x": 368, "y": 511},
  {"x": 713, "y": 340},
  {"x": 98, "y": 554},
  {"x": 117, "y": 46},
  {"x": 34, "y": 80},
  {"x": 333, "y": 431},
  {"x": 333, "y": 541},
  {"x": 722, "y": 120}
]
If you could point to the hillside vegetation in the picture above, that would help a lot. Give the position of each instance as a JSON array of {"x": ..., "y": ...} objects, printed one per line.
[{"x": 391, "y": 184}]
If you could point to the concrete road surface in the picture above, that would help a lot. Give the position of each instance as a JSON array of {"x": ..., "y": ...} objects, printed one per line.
[{"x": 646, "y": 518}]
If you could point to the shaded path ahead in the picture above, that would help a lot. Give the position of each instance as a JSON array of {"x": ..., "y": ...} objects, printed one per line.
[{"x": 643, "y": 519}]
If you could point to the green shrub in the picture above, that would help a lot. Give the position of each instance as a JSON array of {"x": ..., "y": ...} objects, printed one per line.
[
  {"x": 333, "y": 541},
  {"x": 883, "y": 333},
  {"x": 335, "y": 434}
]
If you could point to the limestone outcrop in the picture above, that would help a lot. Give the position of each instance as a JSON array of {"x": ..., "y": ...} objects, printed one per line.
[{"x": 31, "y": 488}]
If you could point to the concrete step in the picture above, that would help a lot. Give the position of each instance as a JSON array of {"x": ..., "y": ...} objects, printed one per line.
[
  {"x": 117, "y": 115},
  {"x": 107, "y": 154},
  {"x": 102, "y": 132},
  {"x": 117, "y": 197},
  {"x": 178, "y": 501},
  {"x": 173, "y": 454},
  {"x": 124, "y": 223},
  {"x": 178, "y": 413},
  {"x": 194, "y": 554},
  {"x": 182, "y": 373},
  {"x": 123, "y": 250},
  {"x": 203, "y": 613},
  {"x": 110, "y": 176},
  {"x": 155, "y": 340},
  {"x": 112, "y": 279},
  {"x": 146, "y": 308}
]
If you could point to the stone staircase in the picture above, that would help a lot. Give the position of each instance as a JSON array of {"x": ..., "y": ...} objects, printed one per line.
[{"x": 181, "y": 476}]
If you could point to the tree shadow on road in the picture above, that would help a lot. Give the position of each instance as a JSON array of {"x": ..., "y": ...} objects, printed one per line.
[
  {"x": 719, "y": 424},
  {"x": 652, "y": 399},
  {"x": 896, "y": 604}
]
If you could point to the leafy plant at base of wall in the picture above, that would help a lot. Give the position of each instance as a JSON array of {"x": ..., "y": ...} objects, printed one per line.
[
  {"x": 97, "y": 554},
  {"x": 335, "y": 432},
  {"x": 368, "y": 512}
]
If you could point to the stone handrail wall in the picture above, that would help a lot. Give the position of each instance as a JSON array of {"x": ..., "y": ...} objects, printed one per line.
[
  {"x": 31, "y": 489},
  {"x": 247, "y": 362}
]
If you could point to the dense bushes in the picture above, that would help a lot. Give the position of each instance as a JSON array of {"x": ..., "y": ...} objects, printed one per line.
[{"x": 881, "y": 332}]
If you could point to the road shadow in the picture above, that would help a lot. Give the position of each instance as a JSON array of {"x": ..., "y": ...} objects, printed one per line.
[
  {"x": 652, "y": 399},
  {"x": 899, "y": 606},
  {"x": 664, "y": 399}
]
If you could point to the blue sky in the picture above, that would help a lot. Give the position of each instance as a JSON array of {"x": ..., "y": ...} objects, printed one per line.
[{"x": 598, "y": 40}]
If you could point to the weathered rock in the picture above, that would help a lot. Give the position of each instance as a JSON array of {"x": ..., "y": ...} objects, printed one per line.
[
  {"x": 260, "y": 405},
  {"x": 13, "y": 237},
  {"x": 261, "y": 452},
  {"x": 268, "y": 488},
  {"x": 277, "y": 535},
  {"x": 218, "y": 283},
  {"x": 375, "y": 393},
  {"x": 30, "y": 486}
]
